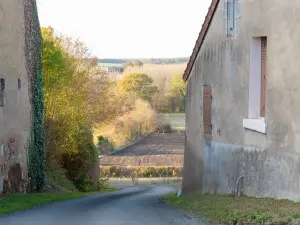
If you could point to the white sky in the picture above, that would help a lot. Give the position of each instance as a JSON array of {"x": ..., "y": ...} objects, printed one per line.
[{"x": 128, "y": 28}]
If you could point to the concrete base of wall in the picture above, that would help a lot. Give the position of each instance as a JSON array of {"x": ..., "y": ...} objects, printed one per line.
[
  {"x": 193, "y": 168},
  {"x": 266, "y": 173}
]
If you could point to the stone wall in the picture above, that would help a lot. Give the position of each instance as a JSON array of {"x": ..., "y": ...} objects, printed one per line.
[{"x": 15, "y": 114}]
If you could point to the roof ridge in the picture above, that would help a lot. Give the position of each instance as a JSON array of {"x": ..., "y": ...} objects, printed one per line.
[{"x": 202, "y": 34}]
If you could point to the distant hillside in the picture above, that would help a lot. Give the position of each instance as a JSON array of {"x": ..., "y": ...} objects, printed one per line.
[
  {"x": 166, "y": 60},
  {"x": 161, "y": 73},
  {"x": 112, "y": 61},
  {"x": 149, "y": 61}
]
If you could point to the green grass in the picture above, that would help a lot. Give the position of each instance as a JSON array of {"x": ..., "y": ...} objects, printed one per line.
[
  {"x": 56, "y": 176},
  {"x": 223, "y": 209},
  {"x": 19, "y": 202},
  {"x": 176, "y": 120}
]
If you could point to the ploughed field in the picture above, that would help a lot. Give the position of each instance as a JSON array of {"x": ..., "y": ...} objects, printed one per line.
[{"x": 156, "y": 150}]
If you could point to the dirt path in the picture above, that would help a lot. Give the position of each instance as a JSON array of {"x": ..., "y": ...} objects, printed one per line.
[{"x": 154, "y": 150}]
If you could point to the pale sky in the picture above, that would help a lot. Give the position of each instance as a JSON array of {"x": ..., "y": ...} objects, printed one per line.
[{"x": 128, "y": 28}]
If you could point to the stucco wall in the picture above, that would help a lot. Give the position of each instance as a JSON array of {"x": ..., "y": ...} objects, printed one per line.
[
  {"x": 271, "y": 168},
  {"x": 267, "y": 173},
  {"x": 15, "y": 117}
]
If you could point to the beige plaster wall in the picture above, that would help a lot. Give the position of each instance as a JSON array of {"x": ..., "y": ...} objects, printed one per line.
[{"x": 15, "y": 114}]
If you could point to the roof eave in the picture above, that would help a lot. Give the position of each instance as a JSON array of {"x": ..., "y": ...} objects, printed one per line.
[{"x": 199, "y": 42}]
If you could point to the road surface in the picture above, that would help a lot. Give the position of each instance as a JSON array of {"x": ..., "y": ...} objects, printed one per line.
[
  {"x": 127, "y": 206},
  {"x": 154, "y": 150}
]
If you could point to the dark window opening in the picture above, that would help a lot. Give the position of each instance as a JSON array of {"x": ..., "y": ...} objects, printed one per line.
[{"x": 19, "y": 83}]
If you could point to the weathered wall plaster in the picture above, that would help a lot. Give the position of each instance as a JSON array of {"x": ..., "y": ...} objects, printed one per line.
[
  {"x": 15, "y": 115},
  {"x": 214, "y": 163}
]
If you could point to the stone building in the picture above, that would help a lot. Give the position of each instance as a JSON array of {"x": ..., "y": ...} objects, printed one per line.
[
  {"x": 19, "y": 53},
  {"x": 243, "y": 100}
]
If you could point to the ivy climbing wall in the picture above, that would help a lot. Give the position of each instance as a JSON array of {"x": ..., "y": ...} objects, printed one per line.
[{"x": 36, "y": 150}]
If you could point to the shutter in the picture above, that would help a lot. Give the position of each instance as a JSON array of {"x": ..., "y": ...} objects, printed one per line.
[
  {"x": 207, "y": 100},
  {"x": 1, "y": 98},
  {"x": 237, "y": 8},
  {"x": 263, "y": 75},
  {"x": 2, "y": 88},
  {"x": 2, "y": 84},
  {"x": 230, "y": 17},
  {"x": 224, "y": 10}
]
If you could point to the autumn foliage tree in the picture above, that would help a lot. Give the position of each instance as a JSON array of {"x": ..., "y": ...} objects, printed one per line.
[
  {"x": 177, "y": 89},
  {"x": 177, "y": 86},
  {"x": 76, "y": 96},
  {"x": 138, "y": 85}
]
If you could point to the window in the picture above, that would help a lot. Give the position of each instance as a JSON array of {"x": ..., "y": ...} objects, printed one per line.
[
  {"x": 207, "y": 99},
  {"x": 2, "y": 88},
  {"x": 19, "y": 83},
  {"x": 257, "y": 85},
  {"x": 232, "y": 13},
  {"x": 230, "y": 17}
]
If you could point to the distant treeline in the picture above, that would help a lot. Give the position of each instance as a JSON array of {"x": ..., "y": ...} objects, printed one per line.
[
  {"x": 152, "y": 61},
  {"x": 115, "y": 61},
  {"x": 167, "y": 60}
]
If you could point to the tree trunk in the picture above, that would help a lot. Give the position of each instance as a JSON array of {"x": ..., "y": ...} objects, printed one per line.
[{"x": 173, "y": 104}]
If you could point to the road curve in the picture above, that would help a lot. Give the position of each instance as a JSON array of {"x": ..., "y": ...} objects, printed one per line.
[{"x": 127, "y": 206}]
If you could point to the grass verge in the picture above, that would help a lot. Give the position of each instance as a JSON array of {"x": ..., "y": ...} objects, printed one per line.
[
  {"x": 223, "y": 209},
  {"x": 19, "y": 202},
  {"x": 57, "y": 177}
]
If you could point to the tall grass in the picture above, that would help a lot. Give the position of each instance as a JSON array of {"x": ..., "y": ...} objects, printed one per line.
[{"x": 130, "y": 126}]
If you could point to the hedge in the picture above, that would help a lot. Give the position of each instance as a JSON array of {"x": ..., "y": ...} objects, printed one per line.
[{"x": 113, "y": 171}]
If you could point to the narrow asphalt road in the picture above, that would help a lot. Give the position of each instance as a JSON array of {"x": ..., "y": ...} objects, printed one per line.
[{"x": 127, "y": 206}]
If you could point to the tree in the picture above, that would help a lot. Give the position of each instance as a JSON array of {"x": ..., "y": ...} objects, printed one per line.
[
  {"x": 138, "y": 63},
  {"x": 177, "y": 89},
  {"x": 177, "y": 86},
  {"x": 128, "y": 64},
  {"x": 139, "y": 85},
  {"x": 76, "y": 96}
]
